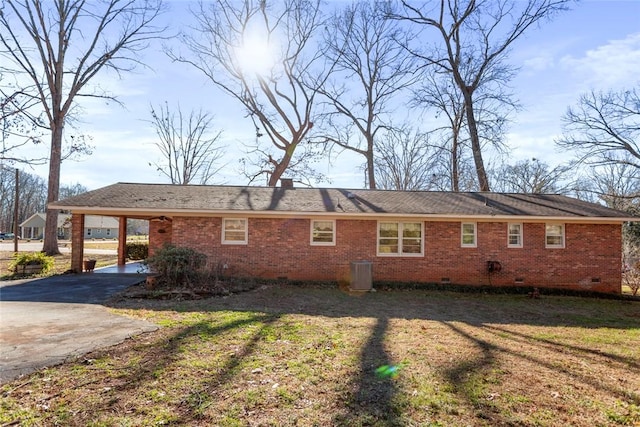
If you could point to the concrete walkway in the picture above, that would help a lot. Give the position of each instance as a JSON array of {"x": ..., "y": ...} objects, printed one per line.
[{"x": 45, "y": 322}]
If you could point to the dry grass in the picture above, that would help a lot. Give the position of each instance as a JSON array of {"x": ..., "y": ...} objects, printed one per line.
[{"x": 305, "y": 356}]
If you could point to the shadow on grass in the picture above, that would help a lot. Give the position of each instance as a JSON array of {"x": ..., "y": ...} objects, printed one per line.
[
  {"x": 195, "y": 405},
  {"x": 372, "y": 399},
  {"x": 472, "y": 309},
  {"x": 159, "y": 357},
  {"x": 469, "y": 377},
  {"x": 626, "y": 362},
  {"x": 591, "y": 356}
]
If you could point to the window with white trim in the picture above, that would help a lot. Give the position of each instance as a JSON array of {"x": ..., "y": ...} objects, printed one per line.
[
  {"x": 468, "y": 237},
  {"x": 514, "y": 235},
  {"x": 323, "y": 232},
  {"x": 554, "y": 235},
  {"x": 234, "y": 231},
  {"x": 400, "y": 238}
]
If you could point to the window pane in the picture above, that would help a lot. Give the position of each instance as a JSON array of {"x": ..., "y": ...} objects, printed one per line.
[
  {"x": 235, "y": 230},
  {"x": 468, "y": 228},
  {"x": 411, "y": 246},
  {"x": 323, "y": 231},
  {"x": 411, "y": 229},
  {"x": 388, "y": 238},
  {"x": 515, "y": 234},
  {"x": 236, "y": 236},
  {"x": 386, "y": 247},
  {"x": 322, "y": 226},
  {"x": 468, "y": 234},
  {"x": 555, "y": 235},
  {"x": 554, "y": 229},
  {"x": 322, "y": 238},
  {"x": 554, "y": 240},
  {"x": 388, "y": 229},
  {"x": 411, "y": 237},
  {"x": 234, "y": 224}
]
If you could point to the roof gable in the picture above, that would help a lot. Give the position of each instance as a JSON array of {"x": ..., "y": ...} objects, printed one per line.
[
  {"x": 64, "y": 220},
  {"x": 35, "y": 220}
]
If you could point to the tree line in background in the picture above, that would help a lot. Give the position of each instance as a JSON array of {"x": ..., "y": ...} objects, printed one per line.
[
  {"x": 316, "y": 81},
  {"x": 32, "y": 196}
]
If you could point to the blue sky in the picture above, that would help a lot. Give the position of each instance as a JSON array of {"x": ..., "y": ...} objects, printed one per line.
[{"x": 596, "y": 45}]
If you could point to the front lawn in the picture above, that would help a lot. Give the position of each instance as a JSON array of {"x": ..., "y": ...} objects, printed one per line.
[{"x": 307, "y": 356}]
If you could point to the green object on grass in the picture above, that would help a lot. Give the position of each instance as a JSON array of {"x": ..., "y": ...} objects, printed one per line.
[{"x": 388, "y": 371}]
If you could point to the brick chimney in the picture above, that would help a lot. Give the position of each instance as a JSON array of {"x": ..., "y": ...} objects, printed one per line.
[{"x": 286, "y": 182}]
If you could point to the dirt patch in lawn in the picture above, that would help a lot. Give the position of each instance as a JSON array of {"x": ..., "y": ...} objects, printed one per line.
[{"x": 291, "y": 355}]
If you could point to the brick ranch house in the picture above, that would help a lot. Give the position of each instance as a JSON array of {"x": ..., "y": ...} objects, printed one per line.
[{"x": 472, "y": 239}]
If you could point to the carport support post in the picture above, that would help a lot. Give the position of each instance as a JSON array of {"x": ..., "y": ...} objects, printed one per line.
[
  {"x": 122, "y": 240},
  {"x": 77, "y": 242}
]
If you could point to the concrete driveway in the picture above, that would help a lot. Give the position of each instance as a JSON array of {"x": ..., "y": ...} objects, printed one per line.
[{"x": 45, "y": 322}]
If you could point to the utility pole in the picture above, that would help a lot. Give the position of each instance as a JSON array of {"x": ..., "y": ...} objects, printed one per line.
[{"x": 15, "y": 212}]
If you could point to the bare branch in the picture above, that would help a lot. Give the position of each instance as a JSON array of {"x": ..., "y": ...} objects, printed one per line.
[
  {"x": 61, "y": 46},
  {"x": 190, "y": 151},
  {"x": 277, "y": 86},
  {"x": 474, "y": 42},
  {"x": 604, "y": 128},
  {"x": 364, "y": 46}
]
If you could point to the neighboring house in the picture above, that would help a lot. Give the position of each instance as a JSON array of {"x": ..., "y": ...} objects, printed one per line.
[
  {"x": 490, "y": 239},
  {"x": 95, "y": 227}
]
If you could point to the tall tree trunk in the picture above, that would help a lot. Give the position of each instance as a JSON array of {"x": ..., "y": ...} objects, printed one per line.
[
  {"x": 371, "y": 173},
  {"x": 476, "y": 148},
  {"x": 281, "y": 166},
  {"x": 455, "y": 172},
  {"x": 53, "y": 190}
]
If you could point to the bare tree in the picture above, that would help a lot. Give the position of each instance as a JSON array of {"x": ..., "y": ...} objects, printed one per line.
[
  {"x": 190, "y": 151},
  {"x": 604, "y": 128},
  {"x": 62, "y": 45},
  {"x": 365, "y": 50},
  {"x": 474, "y": 40},
  {"x": 405, "y": 160},
  {"x": 535, "y": 176},
  {"x": 17, "y": 125},
  {"x": 617, "y": 185},
  {"x": 438, "y": 92},
  {"x": 261, "y": 54},
  {"x": 32, "y": 193},
  {"x": 71, "y": 190}
]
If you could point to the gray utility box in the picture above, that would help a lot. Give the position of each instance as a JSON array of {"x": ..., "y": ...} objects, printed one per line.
[{"x": 361, "y": 275}]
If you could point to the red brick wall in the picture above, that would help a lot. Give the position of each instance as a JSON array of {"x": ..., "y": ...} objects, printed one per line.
[
  {"x": 160, "y": 234},
  {"x": 591, "y": 259}
]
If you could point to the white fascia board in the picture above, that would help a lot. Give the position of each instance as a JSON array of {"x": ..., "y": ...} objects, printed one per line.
[{"x": 137, "y": 212}]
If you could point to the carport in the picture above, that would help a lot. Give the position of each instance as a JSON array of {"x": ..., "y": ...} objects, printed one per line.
[
  {"x": 159, "y": 233},
  {"x": 77, "y": 241}
]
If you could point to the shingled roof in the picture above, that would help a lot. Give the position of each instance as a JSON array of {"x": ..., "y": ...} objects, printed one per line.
[{"x": 166, "y": 199}]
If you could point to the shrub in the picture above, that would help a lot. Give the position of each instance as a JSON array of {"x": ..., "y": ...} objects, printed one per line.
[
  {"x": 32, "y": 258},
  {"x": 177, "y": 266},
  {"x": 135, "y": 251}
]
